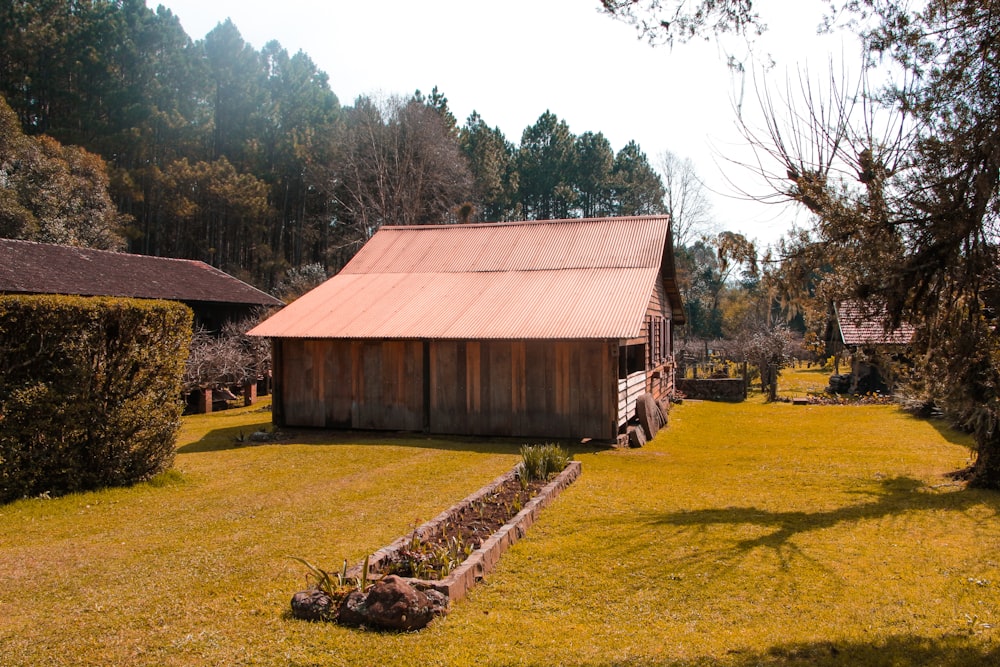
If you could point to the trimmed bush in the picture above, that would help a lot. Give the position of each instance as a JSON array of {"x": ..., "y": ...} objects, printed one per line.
[{"x": 90, "y": 391}]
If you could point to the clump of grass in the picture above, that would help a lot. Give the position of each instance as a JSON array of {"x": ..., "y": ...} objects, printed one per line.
[
  {"x": 166, "y": 478},
  {"x": 539, "y": 462}
]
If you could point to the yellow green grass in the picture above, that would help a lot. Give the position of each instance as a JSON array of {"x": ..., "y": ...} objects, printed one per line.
[
  {"x": 744, "y": 534},
  {"x": 802, "y": 381}
]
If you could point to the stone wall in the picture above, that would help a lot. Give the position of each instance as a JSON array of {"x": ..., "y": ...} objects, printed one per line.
[{"x": 729, "y": 389}]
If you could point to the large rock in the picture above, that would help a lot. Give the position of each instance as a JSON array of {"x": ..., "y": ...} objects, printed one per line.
[
  {"x": 636, "y": 437},
  {"x": 649, "y": 415},
  {"x": 313, "y": 605},
  {"x": 664, "y": 405},
  {"x": 352, "y": 610},
  {"x": 392, "y": 604}
]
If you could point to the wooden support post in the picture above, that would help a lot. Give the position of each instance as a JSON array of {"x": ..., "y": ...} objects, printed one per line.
[
  {"x": 204, "y": 400},
  {"x": 250, "y": 392}
]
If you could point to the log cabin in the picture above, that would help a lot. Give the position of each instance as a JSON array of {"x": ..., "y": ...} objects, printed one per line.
[{"x": 546, "y": 329}]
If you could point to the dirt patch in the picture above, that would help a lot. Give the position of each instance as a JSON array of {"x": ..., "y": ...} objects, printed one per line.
[{"x": 434, "y": 553}]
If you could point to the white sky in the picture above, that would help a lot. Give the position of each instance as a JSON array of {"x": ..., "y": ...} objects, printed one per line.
[{"x": 511, "y": 60}]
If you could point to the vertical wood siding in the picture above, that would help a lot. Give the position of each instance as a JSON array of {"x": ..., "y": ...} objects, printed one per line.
[
  {"x": 659, "y": 344},
  {"x": 556, "y": 389}
]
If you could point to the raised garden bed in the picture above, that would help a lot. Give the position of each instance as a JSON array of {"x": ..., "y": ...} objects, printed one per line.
[
  {"x": 449, "y": 554},
  {"x": 483, "y": 559}
]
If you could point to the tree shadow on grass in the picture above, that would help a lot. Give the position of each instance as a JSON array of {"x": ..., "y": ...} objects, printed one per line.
[
  {"x": 948, "y": 431},
  {"x": 897, "y": 651},
  {"x": 955, "y": 650},
  {"x": 894, "y": 496}
]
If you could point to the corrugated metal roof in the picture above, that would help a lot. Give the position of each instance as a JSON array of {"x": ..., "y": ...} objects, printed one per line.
[
  {"x": 867, "y": 324},
  {"x": 569, "y": 279},
  {"x": 27, "y": 267},
  {"x": 518, "y": 246}
]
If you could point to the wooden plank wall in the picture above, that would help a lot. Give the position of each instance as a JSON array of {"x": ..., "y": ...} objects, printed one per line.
[
  {"x": 660, "y": 372},
  {"x": 629, "y": 390},
  {"x": 351, "y": 384},
  {"x": 301, "y": 383},
  {"x": 557, "y": 389},
  {"x": 554, "y": 389},
  {"x": 389, "y": 386}
]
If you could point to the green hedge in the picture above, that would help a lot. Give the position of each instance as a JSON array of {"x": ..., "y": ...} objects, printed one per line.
[{"x": 90, "y": 391}]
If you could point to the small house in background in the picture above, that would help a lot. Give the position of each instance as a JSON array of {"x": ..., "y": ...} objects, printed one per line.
[
  {"x": 862, "y": 330},
  {"x": 539, "y": 329},
  {"x": 215, "y": 297}
]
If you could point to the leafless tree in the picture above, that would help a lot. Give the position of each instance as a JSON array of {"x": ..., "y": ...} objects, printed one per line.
[
  {"x": 685, "y": 200},
  {"x": 834, "y": 148},
  {"x": 399, "y": 163},
  {"x": 766, "y": 343},
  {"x": 230, "y": 358},
  {"x": 213, "y": 361}
]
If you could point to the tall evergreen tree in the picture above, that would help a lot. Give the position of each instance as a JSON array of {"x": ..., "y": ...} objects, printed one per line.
[
  {"x": 546, "y": 163},
  {"x": 491, "y": 159},
  {"x": 298, "y": 111},
  {"x": 594, "y": 166},
  {"x": 237, "y": 88},
  {"x": 638, "y": 189}
]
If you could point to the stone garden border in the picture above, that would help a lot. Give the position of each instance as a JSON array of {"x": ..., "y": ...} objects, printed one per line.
[{"x": 481, "y": 561}]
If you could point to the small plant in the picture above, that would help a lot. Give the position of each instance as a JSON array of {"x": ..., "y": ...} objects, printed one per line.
[
  {"x": 338, "y": 585},
  {"x": 428, "y": 560},
  {"x": 363, "y": 579},
  {"x": 539, "y": 462},
  {"x": 324, "y": 580}
]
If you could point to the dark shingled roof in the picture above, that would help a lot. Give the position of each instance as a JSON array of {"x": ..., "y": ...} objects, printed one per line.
[
  {"x": 865, "y": 324},
  {"x": 40, "y": 268}
]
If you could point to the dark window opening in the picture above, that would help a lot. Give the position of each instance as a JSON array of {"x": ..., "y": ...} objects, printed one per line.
[
  {"x": 631, "y": 359},
  {"x": 658, "y": 335}
]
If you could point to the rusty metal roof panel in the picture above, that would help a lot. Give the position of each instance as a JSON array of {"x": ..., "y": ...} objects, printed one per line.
[
  {"x": 567, "y": 279},
  {"x": 515, "y": 246},
  {"x": 568, "y": 304}
]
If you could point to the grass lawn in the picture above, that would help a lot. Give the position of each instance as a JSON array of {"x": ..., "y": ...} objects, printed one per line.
[{"x": 744, "y": 534}]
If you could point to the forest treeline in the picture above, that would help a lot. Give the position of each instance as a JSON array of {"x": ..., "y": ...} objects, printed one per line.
[{"x": 246, "y": 159}]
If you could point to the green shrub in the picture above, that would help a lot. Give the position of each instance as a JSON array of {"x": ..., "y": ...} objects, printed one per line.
[
  {"x": 543, "y": 461},
  {"x": 89, "y": 391}
]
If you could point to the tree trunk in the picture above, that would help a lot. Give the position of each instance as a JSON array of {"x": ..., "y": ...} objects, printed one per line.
[{"x": 986, "y": 469}]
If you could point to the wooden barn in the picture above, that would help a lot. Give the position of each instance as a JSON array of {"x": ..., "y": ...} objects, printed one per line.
[{"x": 537, "y": 329}]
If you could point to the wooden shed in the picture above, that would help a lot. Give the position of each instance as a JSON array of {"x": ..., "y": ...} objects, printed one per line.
[
  {"x": 862, "y": 330},
  {"x": 538, "y": 329}
]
